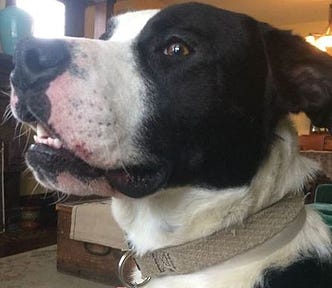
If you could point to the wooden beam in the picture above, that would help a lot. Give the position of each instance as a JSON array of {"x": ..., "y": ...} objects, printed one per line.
[
  {"x": 104, "y": 10},
  {"x": 74, "y": 17}
]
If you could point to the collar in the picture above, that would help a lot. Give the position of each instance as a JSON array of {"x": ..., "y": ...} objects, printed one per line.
[{"x": 258, "y": 236}]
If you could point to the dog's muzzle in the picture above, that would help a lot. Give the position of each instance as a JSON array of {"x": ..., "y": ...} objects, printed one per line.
[{"x": 37, "y": 63}]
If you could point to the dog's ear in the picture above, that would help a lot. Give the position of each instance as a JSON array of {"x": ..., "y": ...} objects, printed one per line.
[{"x": 301, "y": 75}]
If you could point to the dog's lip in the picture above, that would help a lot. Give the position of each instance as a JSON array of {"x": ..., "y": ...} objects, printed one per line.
[
  {"x": 50, "y": 145},
  {"x": 135, "y": 181},
  {"x": 60, "y": 156}
]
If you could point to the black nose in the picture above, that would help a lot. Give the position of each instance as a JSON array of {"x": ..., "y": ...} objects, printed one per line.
[{"x": 38, "y": 61}]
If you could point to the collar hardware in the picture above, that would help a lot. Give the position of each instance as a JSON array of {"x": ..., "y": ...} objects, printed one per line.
[{"x": 123, "y": 260}]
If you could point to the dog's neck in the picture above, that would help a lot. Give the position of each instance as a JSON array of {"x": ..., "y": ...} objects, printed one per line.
[{"x": 175, "y": 216}]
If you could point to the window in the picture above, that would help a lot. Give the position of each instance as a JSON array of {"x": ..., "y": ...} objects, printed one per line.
[{"x": 48, "y": 17}]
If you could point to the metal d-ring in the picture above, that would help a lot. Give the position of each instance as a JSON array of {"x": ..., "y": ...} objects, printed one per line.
[{"x": 123, "y": 260}]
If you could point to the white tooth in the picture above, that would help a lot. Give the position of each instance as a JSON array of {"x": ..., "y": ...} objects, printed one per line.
[
  {"x": 43, "y": 138},
  {"x": 57, "y": 143},
  {"x": 39, "y": 140},
  {"x": 41, "y": 132}
]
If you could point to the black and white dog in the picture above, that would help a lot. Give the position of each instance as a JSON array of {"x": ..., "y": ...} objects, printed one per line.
[{"x": 181, "y": 116}]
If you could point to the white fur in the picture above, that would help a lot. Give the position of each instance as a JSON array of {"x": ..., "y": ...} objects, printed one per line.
[
  {"x": 130, "y": 24},
  {"x": 176, "y": 216},
  {"x": 113, "y": 103}
]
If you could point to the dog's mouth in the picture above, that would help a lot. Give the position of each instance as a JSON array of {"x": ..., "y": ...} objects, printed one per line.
[
  {"x": 48, "y": 157},
  {"x": 43, "y": 137},
  {"x": 58, "y": 168}
]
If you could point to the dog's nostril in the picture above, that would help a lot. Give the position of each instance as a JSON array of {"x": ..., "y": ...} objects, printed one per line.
[
  {"x": 38, "y": 61},
  {"x": 32, "y": 61},
  {"x": 43, "y": 57}
]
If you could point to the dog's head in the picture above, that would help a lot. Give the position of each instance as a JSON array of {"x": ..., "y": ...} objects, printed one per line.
[{"x": 187, "y": 96}]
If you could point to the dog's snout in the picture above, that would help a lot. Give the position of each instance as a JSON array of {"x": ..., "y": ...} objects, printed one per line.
[
  {"x": 38, "y": 61},
  {"x": 41, "y": 57}
]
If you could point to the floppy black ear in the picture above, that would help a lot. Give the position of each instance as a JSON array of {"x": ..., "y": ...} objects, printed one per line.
[{"x": 301, "y": 75}]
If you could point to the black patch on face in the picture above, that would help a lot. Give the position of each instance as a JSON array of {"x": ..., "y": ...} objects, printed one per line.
[
  {"x": 33, "y": 105},
  {"x": 212, "y": 120}
]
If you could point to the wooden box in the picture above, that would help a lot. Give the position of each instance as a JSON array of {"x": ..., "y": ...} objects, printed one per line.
[
  {"x": 82, "y": 259},
  {"x": 317, "y": 141}
]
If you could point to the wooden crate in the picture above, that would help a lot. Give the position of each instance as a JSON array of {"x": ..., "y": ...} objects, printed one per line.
[
  {"x": 86, "y": 260},
  {"x": 316, "y": 141}
]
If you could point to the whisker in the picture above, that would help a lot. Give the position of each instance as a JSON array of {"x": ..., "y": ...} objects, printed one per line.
[
  {"x": 23, "y": 131},
  {"x": 17, "y": 128},
  {"x": 62, "y": 197},
  {"x": 47, "y": 193},
  {"x": 35, "y": 188},
  {"x": 29, "y": 131},
  {"x": 4, "y": 92},
  {"x": 7, "y": 115},
  {"x": 26, "y": 171}
]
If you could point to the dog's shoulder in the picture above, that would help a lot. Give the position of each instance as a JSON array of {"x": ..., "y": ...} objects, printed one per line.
[{"x": 305, "y": 273}]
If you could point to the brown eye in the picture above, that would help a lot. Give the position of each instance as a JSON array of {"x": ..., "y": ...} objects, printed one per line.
[{"x": 177, "y": 49}]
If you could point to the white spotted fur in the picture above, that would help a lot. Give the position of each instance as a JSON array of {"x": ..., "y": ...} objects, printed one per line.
[{"x": 115, "y": 105}]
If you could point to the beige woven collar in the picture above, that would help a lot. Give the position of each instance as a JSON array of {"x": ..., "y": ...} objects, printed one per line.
[
  {"x": 260, "y": 234},
  {"x": 222, "y": 245}
]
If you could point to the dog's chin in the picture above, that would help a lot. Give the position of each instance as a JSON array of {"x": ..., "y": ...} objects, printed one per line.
[{"x": 59, "y": 169}]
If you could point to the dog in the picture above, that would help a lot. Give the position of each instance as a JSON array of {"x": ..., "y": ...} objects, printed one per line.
[{"x": 181, "y": 115}]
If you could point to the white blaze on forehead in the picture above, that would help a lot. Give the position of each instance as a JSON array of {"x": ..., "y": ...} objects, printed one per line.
[{"x": 129, "y": 25}]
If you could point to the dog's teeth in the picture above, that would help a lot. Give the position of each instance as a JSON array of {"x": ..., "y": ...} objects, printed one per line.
[
  {"x": 57, "y": 143},
  {"x": 43, "y": 137},
  {"x": 54, "y": 143},
  {"x": 41, "y": 132}
]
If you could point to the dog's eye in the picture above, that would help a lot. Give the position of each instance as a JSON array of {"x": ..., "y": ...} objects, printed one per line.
[{"x": 177, "y": 49}]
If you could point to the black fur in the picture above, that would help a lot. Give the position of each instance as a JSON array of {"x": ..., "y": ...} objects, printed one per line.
[
  {"x": 205, "y": 104},
  {"x": 306, "y": 273},
  {"x": 216, "y": 109},
  {"x": 301, "y": 75}
]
